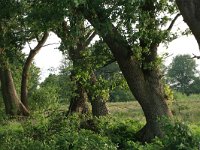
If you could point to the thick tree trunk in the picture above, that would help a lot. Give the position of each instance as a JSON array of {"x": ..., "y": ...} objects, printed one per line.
[
  {"x": 99, "y": 107},
  {"x": 190, "y": 10},
  {"x": 145, "y": 85},
  {"x": 13, "y": 105},
  {"x": 78, "y": 103},
  {"x": 27, "y": 65}
]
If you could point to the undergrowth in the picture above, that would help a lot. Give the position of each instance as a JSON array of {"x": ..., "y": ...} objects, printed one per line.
[{"x": 55, "y": 131}]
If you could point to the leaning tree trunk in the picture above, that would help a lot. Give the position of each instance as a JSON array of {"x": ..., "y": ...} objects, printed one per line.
[
  {"x": 145, "y": 86},
  {"x": 26, "y": 67},
  {"x": 13, "y": 105},
  {"x": 190, "y": 10},
  {"x": 99, "y": 107}
]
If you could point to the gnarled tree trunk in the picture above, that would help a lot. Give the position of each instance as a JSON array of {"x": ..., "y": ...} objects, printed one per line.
[{"x": 146, "y": 85}]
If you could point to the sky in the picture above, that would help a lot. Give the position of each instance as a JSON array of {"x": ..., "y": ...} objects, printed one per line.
[{"x": 49, "y": 58}]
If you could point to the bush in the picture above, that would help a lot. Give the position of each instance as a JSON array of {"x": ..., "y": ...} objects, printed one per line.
[
  {"x": 178, "y": 135},
  {"x": 52, "y": 132},
  {"x": 56, "y": 131},
  {"x": 121, "y": 95},
  {"x": 44, "y": 98}
]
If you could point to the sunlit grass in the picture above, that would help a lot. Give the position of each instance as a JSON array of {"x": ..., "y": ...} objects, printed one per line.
[{"x": 186, "y": 109}]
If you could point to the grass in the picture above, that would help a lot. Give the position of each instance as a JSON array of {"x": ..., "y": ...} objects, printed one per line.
[
  {"x": 127, "y": 110},
  {"x": 186, "y": 109}
]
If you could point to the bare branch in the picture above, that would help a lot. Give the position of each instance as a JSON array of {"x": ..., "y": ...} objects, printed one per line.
[
  {"x": 195, "y": 56},
  {"x": 90, "y": 38},
  {"x": 173, "y": 22},
  {"x": 50, "y": 44}
]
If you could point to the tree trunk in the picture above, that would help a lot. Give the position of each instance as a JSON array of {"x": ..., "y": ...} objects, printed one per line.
[
  {"x": 78, "y": 103},
  {"x": 145, "y": 85},
  {"x": 190, "y": 10},
  {"x": 27, "y": 65},
  {"x": 13, "y": 105},
  {"x": 99, "y": 107}
]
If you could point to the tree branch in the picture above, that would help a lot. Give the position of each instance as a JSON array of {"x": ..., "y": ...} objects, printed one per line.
[
  {"x": 90, "y": 38},
  {"x": 50, "y": 44},
  {"x": 29, "y": 46},
  {"x": 173, "y": 22},
  {"x": 195, "y": 56},
  {"x": 108, "y": 63},
  {"x": 41, "y": 42}
]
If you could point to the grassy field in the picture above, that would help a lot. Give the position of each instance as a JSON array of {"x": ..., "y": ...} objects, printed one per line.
[{"x": 186, "y": 109}]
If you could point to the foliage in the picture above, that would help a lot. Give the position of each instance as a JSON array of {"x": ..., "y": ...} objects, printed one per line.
[
  {"x": 44, "y": 98},
  {"x": 182, "y": 74},
  {"x": 181, "y": 137},
  {"x": 53, "y": 130},
  {"x": 120, "y": 95}
]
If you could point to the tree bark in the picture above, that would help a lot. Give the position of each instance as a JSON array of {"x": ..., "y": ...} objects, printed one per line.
[
  {"x": 99, "y": 107},
  {"x": 190, "y": 10},
  {"x": 78, "y": 103},
  {"x": 27, "y": 65},
  {"x": 145, "y": 85},
  {"x": 13, "y": 105}
]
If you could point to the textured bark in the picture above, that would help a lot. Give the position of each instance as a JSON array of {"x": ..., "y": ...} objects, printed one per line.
[
  {"x": 190, "y": 10},
  {"x": 145, "y": 85},
  {"x": 99, "y": 107},
  {"x": 27, "y": 65},
  {"x": 78, "y": 103},
  {"x": 13, "y": 105}
]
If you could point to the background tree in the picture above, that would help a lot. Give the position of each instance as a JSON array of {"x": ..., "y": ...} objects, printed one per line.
[{"x": 182, "y": 73}]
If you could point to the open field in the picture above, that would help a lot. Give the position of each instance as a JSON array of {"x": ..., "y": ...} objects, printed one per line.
[{"x": 186, "y": 109}]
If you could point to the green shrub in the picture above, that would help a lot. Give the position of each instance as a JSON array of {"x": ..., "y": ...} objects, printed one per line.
[
  {"x": 120, "y": 131},
  {"x": 44, "y": 98},
  {"x": 53, "y": 130},
  {"x": 178, "y": 135}
]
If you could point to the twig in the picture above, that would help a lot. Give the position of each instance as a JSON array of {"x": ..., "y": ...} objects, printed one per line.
[{"x": 50, "y": 44}]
